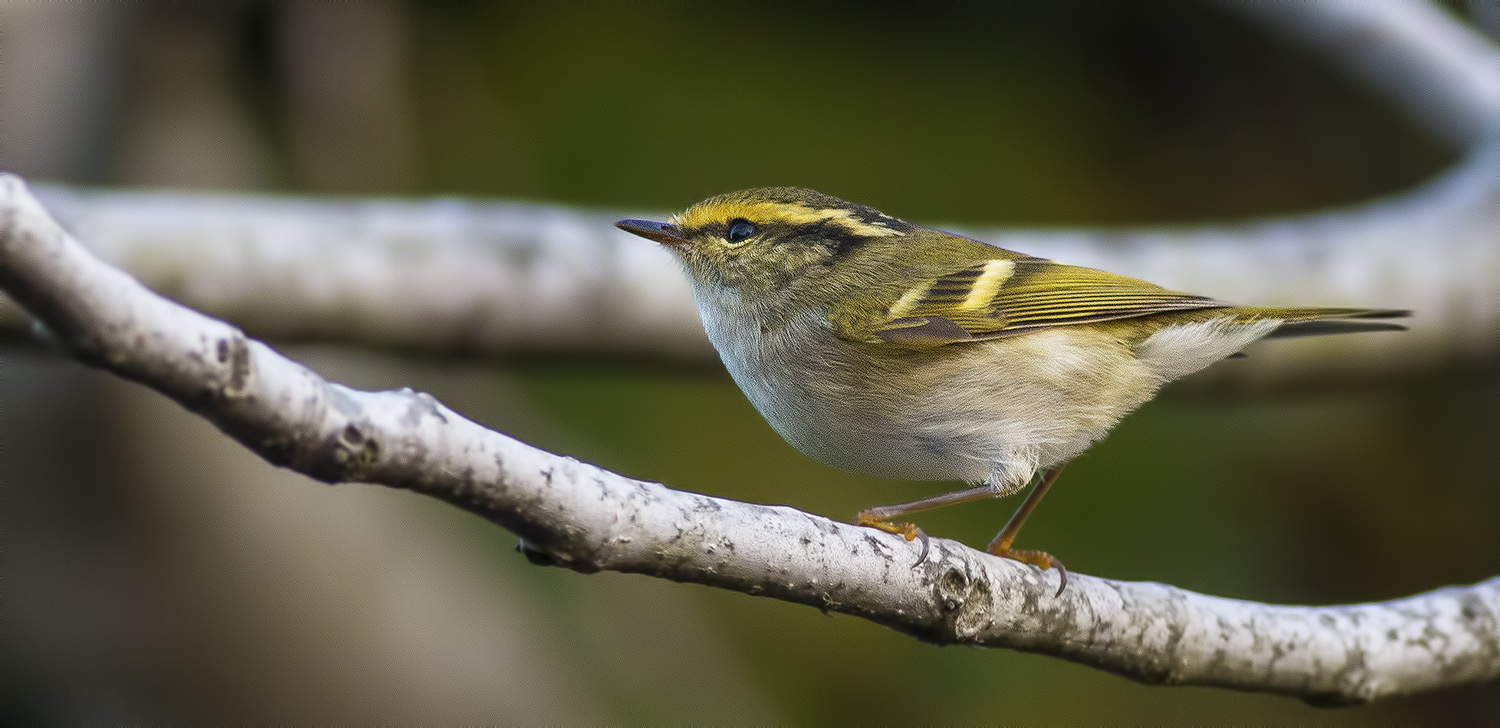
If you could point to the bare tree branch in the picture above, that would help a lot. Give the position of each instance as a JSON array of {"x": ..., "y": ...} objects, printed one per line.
[
  {"x": 437, "y": 275},
  {"x": 577, "y": 515},
  {"x": 496, "y": 277}
]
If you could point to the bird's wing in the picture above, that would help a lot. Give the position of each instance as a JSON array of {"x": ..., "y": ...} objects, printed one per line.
[{"x": 1000, "y": 296}]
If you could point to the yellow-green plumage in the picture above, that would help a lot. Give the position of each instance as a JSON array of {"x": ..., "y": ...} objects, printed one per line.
[
  {"x": 1020, "y": 293},
  {"x": 883, "y": 347}
]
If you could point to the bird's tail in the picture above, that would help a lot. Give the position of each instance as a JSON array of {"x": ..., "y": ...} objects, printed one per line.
[{"x": 1320, "y": 321}]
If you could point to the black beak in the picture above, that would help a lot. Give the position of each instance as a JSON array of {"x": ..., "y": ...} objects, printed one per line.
[{"x": 659, "y": 231}]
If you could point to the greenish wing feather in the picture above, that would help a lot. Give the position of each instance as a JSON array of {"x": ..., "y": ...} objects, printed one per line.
[{"x": 993, "y": 298}]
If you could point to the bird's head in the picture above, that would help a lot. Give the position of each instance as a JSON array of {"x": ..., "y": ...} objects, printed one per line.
[{"x": 769, "y": 242}]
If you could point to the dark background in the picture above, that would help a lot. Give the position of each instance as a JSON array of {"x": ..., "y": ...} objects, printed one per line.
[{"x": 159, "y": 572}]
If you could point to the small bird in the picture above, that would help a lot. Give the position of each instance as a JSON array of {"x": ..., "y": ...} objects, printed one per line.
[{"x": 886, "y": 348}]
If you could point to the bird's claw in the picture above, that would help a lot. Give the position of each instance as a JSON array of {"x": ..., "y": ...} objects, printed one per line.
[
  {"x": 1040, "y": 559},
  {"x": 909, "y": 531}
]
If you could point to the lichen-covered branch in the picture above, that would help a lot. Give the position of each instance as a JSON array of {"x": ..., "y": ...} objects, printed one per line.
[{"x": 583, "y": 517}]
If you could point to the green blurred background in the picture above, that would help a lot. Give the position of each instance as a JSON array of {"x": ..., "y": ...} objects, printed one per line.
[{"x": 134, "y": 606}]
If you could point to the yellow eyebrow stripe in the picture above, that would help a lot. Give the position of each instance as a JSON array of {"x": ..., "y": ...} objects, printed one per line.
[{"x": 783, "y": 212}]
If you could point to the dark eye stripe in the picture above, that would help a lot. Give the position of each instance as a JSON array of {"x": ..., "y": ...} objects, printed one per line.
[{"x": 839, "y": 240}]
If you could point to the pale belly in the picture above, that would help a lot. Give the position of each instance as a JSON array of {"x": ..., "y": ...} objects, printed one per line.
[{"x": 995, "y": 411}]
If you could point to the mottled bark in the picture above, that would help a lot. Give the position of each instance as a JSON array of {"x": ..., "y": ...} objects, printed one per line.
[{"x": 577, "y": 515}]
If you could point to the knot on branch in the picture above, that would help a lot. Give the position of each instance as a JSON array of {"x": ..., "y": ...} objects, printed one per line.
[
  {"x": 356, "y": 451},
  {"x": 966, "y": 602},
  {"x": 233, "y": 353}
]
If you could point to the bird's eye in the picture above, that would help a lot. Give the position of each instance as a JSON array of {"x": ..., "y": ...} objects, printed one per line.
[{"x": 740, "y": 229}]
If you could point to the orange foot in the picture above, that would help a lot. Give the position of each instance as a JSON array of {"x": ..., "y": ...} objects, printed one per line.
[
  {"x": 1040, "y": 559},
  {"x": 907, "y": 530}
]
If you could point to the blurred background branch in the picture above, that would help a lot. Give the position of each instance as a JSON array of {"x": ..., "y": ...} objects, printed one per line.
[
  {"x": 139, "y": 593},
  {"x": 455, "y": 276}
]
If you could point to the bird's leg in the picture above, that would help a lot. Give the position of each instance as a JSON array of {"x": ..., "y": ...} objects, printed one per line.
[
  {"x": 1001, "y": 545},
  {"x": 879, "y": 516}
]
